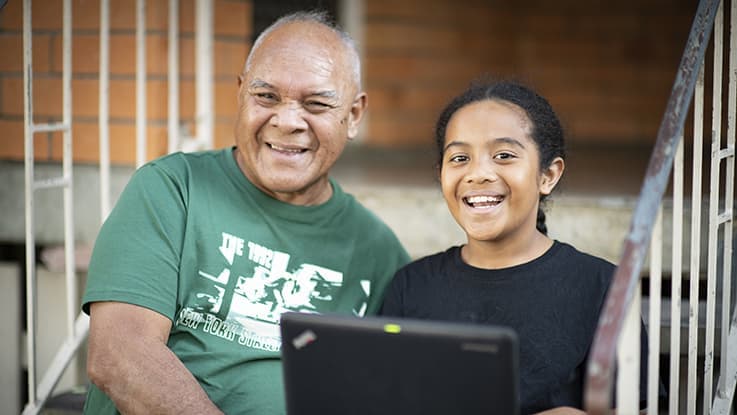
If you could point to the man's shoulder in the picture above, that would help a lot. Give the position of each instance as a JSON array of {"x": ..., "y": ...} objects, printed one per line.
[{"x": 180, "y": 160}]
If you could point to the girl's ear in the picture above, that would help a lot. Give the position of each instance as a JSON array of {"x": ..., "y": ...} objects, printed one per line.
[{"x": 551, "y": 175}]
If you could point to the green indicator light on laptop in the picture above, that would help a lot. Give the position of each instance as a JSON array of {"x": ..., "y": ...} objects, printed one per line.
[{"x": 392, "y": 328}]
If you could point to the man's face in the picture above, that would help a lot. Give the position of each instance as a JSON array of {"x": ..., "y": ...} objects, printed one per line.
[{"x": 298, "y": 105}]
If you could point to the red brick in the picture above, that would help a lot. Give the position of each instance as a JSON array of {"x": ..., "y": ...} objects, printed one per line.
[
  {"x": 85, "y": 54},
  {"x": 186, "y": 99},
  {"x": 123, "y": 99},
  {"x": 123, "y": 54},
  {"x": 122, "y": 143},
  {"x": 11, "y": 146},
  {"x": 12, "y": 51},
  {"x": 86, "y": 14},
  {"x": 405, "y": 38},
  {"x": 230, "y": 57},
  {"x": 224, "y": 134},
  {"x": 186, "y": 16},
  {"x": 12, "y": 47},
  {"x": 233, "y": 18},
  {"x": 11, "y": 16},
  {"x": 85, "y": 97},
  {"x": 186, "y": 56},
  {"x": 226, "y": 99},
  {"x": 123, "y": 14},
  {"x": 46, "y": 15},
  {"x": 12, "y": 96}
]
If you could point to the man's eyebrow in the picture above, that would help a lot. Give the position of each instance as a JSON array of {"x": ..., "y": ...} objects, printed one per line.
[
  {"x": 329, "y": 93},
  {"x": 325, "y": 94},
  {"x": 257, "y": 83}
]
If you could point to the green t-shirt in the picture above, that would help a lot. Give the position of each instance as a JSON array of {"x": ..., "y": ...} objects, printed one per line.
[{"x": 193, "y": 239}]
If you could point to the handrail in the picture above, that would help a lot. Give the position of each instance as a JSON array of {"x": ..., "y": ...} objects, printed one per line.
[{"x": 600, "y": 371}]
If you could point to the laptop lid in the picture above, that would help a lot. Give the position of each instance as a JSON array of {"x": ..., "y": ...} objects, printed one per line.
[{"x": 379, "y": 365}]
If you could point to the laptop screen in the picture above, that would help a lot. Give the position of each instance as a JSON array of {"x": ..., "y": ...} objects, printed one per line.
[{"x": 377, "y": 365}]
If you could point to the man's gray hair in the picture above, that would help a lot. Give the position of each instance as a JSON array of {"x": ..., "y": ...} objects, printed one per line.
[{"x": 321, "y": 18}]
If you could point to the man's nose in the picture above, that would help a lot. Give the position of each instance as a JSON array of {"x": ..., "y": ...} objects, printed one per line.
[{"x": 289, "y": 117}]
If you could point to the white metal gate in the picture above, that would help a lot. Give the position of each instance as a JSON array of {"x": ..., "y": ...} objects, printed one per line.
[{"x": 77, "y": 323}]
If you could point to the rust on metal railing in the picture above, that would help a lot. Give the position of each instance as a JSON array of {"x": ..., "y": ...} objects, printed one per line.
[{"x": 600, "y": 371}]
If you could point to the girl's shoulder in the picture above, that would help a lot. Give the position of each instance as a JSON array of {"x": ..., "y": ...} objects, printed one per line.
[
  {"x": 431, "y": 264},
  {"x": 568, "y": 252}
]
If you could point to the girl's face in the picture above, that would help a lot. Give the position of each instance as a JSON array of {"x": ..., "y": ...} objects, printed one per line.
[{"x": 490, "y": 173}]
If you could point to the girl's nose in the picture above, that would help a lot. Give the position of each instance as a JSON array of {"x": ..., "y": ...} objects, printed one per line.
[{"x": 481, "y": 171}]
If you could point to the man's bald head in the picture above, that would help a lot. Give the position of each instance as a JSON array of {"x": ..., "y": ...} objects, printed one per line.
[{"x": 319, "y": 18}]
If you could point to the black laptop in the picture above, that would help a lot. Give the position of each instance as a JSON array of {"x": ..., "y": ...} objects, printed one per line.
[{"x": 378, "y": 365}]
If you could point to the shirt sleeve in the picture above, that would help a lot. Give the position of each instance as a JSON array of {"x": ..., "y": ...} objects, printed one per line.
[{"x": 137, "y": 252}]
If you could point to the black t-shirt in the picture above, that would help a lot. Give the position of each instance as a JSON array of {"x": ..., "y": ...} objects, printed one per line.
[{"x": 552, "y": 302}]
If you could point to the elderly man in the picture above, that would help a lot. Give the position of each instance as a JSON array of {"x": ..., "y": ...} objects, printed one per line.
[{"x": 204, "y": 251}]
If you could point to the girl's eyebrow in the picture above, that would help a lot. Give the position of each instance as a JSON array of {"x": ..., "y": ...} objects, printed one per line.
[
  {"x": 503, "y": 140},
  {"x": 454, "y": 143},
  {"x": 510, "y": 141}
]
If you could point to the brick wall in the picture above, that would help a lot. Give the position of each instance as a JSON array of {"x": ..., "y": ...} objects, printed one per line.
[
  {"x": 607, "y": 67},
  {"x": 232, "y": 40}
]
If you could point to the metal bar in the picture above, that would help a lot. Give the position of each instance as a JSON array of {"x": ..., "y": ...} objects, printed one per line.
[
  {"x": 716, "y": 127},
  {"x": 725, "y": 352},
  {"x": 628, "y": 360},
  {"x": 173, "y": 77},
  {"x": 53, "y": 182},
  {"x": 722, "y": 404},
  {"x": 676, "y": 275},
  {"x": 724, "y": 217},
  {"x": 140, "y": 82},
  {"x": 204, "y": 74},
  {"x": 67, "y": 168},
  {"x": 600, "y": 369},
  {"x": 60, "y": 362},
  {"x": 695, "y": 264},
  {"x": 725, "y": 152},
  {"x": 654, "y": 304},
  {"x": 50, "y": 127},
  {"x": 104, "y": 116},
  {"x": 29, "y": 202}
]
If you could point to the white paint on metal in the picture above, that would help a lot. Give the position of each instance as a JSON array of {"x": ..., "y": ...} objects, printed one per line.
[
  {"x": 675, "y": 279},
  {"x": 173, "y": 77},
  {"x": 713, "y": 212},
  {"x": 628, "y": 359},
  {"x": 695, "y": 259},
  {"x": 141, "y": 142},
  {"x": 204, "y": 21},
  {"x": 104, "y": 109},
  {"x": 654, "y": 304}
]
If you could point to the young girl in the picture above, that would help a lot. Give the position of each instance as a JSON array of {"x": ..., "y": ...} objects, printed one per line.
[{"x": 501, "y": 154}]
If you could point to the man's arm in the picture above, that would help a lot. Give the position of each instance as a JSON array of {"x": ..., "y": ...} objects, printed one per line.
[{"x": 128, "y": 360}]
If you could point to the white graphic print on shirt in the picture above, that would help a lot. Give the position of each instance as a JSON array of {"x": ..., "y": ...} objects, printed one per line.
[{"x": 247, "y": 308}]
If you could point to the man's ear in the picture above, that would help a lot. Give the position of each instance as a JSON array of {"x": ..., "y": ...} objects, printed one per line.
[
  {"x": 241, "y": 83},
  {"x": 551, "y": 175},
  {"x": 358, "y": 107}
]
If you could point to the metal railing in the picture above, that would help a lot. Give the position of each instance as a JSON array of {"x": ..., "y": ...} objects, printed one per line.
[
  {"x": 78, "y": 323},
  {"x": 618, "y": 331}
]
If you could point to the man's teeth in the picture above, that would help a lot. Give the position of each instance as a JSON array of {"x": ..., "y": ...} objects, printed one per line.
[
  {"x": 286, "y": 150},
  {"x": 473, "y": 200}
]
